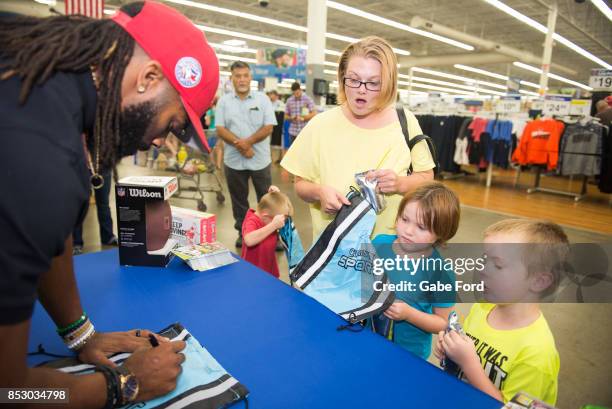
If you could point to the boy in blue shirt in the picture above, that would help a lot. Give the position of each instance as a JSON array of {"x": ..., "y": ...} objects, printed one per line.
[{"x": 427, "y": 218}]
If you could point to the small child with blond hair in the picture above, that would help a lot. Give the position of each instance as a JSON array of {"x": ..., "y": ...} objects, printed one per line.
[
  {"x": 260, "y": 227},
  {"x": 509, "y": 346}
]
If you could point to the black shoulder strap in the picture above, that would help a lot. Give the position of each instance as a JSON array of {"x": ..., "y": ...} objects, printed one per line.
[{"x": 411, "y": 142}]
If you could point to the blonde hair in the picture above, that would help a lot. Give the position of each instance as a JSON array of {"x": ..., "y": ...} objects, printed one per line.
[
  {"x": 275, "y": 203},
  {"x": 551, "y": 246},
  {"x": 380, "y": 50},
  {"x": 439, "y": 209}
]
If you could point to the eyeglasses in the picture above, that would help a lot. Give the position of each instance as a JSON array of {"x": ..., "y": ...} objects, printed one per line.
[{"x": 355, "y": 83}]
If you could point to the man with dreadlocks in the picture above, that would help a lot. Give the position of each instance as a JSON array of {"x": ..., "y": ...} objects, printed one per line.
[{"x": 124, "y": 83}]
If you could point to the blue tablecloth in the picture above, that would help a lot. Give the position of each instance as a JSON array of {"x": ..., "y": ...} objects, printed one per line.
[{"x": 281, "y": 344}]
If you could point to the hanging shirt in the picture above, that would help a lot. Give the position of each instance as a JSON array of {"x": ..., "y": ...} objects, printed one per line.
[
  {"x": 461, "y": 155},
  {"x": 517, "y": 360},
  {"x": 581, "y": 149},
  {"x": 478, "y": 126},
  {"x": 539, "y": 144}
]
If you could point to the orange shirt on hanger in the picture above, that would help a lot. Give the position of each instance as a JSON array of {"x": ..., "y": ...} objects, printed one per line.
[{"x": 539, "y": 144}]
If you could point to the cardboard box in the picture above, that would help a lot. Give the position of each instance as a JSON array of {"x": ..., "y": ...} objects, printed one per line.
[
  {"x": 144, "y": 220},
  {"x": 193, "y": 227}
]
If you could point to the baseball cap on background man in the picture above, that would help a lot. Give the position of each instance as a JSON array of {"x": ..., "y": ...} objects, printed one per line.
[{"x": 186, "y": 58}]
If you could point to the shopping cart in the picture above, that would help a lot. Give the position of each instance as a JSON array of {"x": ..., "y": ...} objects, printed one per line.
[{"x": 191, "y": 173}]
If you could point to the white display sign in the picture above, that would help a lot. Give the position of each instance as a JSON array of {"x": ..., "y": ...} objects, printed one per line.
[
  {"x": 580, "y": 107},
  {"x": 556, "y": 105},
  {"x": 537, "y": 105},
  {"x": 508, "y": 105},
  {"x": 601, "y": 79}
]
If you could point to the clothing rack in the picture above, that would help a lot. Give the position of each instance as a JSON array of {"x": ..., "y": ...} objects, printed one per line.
[
  {"x": 537, "y": 188},
  {"x": 583, "y": 190}
]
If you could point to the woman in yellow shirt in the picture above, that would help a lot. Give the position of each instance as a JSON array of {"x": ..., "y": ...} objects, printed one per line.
[{"x": 361, "y": 134}]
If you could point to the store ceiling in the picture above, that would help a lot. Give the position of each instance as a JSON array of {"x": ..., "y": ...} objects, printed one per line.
[{"x": 581, "y": 23}]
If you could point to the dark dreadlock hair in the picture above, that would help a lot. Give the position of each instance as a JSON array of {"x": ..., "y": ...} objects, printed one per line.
[{"x": 38, "y": 47}]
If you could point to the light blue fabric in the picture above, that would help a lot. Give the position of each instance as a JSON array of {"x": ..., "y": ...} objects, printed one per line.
[
  {"x": 405, "y": 334},
  {"x": 199, "y": 368},
  {"x": 243, "y": 118},
  {"x": 341, "y": 286},
  {"x": 294, "y": 250}
]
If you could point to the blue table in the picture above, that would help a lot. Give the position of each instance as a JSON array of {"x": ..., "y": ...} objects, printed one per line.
[{"x": 281, "y": 344}]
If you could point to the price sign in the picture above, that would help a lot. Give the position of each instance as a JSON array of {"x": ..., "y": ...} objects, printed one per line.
[
  {"x": 580, "y": 107},
  {"x": 601, "y": 79},
  {"x": 556, "y": 105},
  {"x": 537, "y": 105},
  {"x": 508, "y": 105}
]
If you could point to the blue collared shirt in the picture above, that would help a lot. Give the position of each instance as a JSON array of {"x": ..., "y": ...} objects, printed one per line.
[{"x": 243, "y": 117}]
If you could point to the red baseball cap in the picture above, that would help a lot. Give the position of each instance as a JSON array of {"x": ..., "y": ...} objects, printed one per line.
[{"x": 188, "y": 61}]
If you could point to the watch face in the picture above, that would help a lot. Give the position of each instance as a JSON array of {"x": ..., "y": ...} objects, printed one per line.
[{"x": 129, "y": 388}]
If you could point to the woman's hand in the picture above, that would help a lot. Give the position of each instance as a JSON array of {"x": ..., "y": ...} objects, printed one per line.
[
  {"x": 331, "y": 200},
  {"x": 387, "y": 180}
]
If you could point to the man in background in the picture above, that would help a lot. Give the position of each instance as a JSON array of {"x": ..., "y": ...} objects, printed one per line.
[
  {"x": 299, "y": 110},
  {"x": 244, "y": 122}
]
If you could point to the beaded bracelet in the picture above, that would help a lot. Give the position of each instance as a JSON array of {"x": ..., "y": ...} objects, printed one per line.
[
  {"x": 70, "y": 327},
  {"x": 77, "y": 338}
]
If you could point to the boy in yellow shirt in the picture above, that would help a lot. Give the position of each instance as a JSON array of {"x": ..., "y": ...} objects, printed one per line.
[{"x": 509, "y": 347}]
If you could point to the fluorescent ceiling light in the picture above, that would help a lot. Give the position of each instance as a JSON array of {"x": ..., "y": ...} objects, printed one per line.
[
  {"x": 354, "y": 40},
  {"x": 603, "y": 7},
  {"x": 260, "y": 19},
  {"x": 241, "y": 14},
  {"x": 331, "y": 64},
  {"x": 330, "y": 72},
  {"x": 452, "y": 84},
  {"x": 109, "y": 12},
  {"x": 373, "y": 17},
  {"x": 493, "y": 74},
  {"x": 551, "y": 75},
  {"x": 458, "y": 78},
  {"x": 235, "y": 42},
  {"x": 479, "y": 71},
  {"x": 543, "y": 29},
  {"x": 233, "y": 49},
  {"x": 413, "y": 92},
  {"x": 534, "y": 94},
  {"x": 262, "y": 39},
  {"x": 236, "y": 58}
]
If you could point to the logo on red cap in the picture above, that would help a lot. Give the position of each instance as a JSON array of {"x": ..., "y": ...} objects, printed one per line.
[{"x": 188, "y": 72}]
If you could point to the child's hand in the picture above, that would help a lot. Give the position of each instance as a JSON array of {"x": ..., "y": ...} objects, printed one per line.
[
  {"x": 459, "y": 348},
  {"x": 398, "y": 311},
  {"x": 273, "y": 188},
  {"x": 278, "y": 221},
  {"x": 438, "y": 348}
]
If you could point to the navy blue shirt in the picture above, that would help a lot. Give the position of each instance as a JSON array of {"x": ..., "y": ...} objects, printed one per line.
[{"x": 45, "y": 181}]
